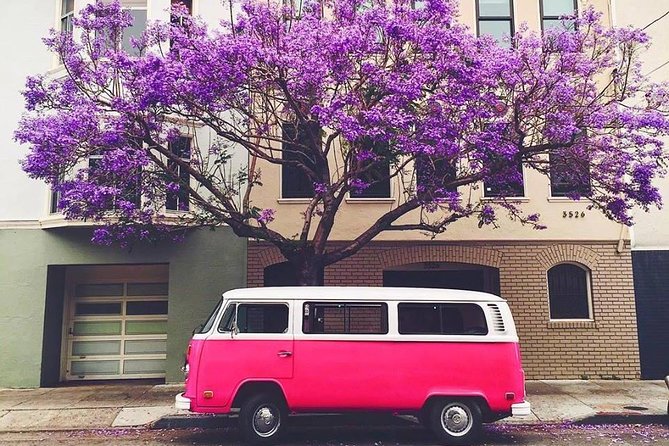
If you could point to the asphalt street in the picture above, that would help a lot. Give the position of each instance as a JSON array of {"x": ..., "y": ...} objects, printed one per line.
[{"x": 495, "y": 434}]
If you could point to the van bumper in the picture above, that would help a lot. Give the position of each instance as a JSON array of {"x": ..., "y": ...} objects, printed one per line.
[
  {"x": 181, "y": 402},
  {"x": 521, "y": 409}
]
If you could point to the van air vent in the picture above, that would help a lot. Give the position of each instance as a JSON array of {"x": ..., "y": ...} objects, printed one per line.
[{"x": 497, "y": 319}]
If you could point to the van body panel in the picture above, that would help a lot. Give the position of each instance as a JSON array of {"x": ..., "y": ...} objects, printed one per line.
[{"x": 226, "y": 364}]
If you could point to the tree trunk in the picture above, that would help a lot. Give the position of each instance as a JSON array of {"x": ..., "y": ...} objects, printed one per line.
[{"x": 308, "y": 270}]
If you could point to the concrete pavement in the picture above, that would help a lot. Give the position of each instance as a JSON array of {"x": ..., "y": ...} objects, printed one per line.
[{"x": 125, "y": 405}]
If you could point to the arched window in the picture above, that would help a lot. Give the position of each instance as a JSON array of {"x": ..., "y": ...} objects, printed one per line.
[{"x": 569, "y": 293}]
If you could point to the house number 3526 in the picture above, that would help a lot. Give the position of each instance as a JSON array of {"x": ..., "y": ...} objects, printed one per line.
[{"x": 573, "y": 214}]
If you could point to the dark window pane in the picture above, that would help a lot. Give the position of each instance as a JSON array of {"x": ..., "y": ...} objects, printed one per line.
[
  {"x": 501, "y": 188},
  {"x": 148, "y": 289},
  {"x": 210, "y": 320},
  {"x": 98, "y": 309},
  {"x": 345, "y": 318},
  {"x": 569, "y": 178},
  {"x": 568, "y": 292},
  {"x": 181, "y": 147},
  {"x": 99, "y": 290},
  {"x": 146, "y": 307},
  {"x": 446, "y": 319},
  {"x": 228, "y": 318},
  {"x": 262, "y": 318},
  {"x": 377, "y": 175},
  {"x": 494, "y": 8},
  {"x": 435, "y": 173},
  {"x": 299, "y": 140}
]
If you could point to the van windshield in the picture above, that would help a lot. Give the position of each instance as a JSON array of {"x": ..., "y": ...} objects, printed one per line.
[{"x": 204, "y": 328}]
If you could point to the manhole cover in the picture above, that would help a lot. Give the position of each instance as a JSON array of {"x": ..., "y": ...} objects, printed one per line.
[{"x": 635, "y": 408}]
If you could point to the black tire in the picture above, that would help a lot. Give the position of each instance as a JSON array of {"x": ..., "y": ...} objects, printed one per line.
[
  {"x": 456, "y": 422},
  {"x": 262, "y": 419}
]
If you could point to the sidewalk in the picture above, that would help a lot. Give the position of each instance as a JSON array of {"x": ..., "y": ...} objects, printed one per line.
[{"x": 130, "y": 405}]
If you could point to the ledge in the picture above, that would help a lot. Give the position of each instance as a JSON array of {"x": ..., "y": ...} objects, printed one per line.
[
  {"x": 370, "y": 200},
  {"x": 565, "y": 200},
  {"x": 293, "y": 200},
  {"x": 577, "y": 324},
  {"x": 500, "y": 199}
]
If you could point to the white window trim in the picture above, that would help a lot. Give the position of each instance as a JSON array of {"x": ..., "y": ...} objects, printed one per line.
[{"x": 588, "y": 282}]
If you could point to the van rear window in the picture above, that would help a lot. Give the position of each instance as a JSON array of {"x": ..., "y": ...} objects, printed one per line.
[
  {"x": 345, "y": 318},
  {"x": 441, "y": 319}
]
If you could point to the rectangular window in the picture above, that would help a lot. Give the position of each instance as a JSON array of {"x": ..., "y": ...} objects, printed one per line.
[
  {"x": 262, "y": 318},
  {"x": 512, "y": 189},
  {"x": 66, "y": 15},
  {"x": 553, "y": 10},
  {"x": 179, "y": 200},
  {"x": 433, "y": 173},
  {"x": 132, "y": 187},
  {"x": 441, "y": 319},
  {"x": 567, "y": 179},
  {"x": 345, "y": 318},
  {"x": 298, "y": 141},
  {"x": 495, "y": 18},
  {"x": 377, "y": 176}
]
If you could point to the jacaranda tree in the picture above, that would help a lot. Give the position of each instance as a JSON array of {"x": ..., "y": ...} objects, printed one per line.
[{"x": 371, "y": 90}]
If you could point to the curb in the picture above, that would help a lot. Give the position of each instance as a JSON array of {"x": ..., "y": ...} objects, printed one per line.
[{"x": 357, "y": 420}]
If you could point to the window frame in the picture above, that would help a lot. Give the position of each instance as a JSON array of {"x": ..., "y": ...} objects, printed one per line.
[
  {"x": 385, "y": 317},
  {"x": 283, "y": 174},
  {"x": 589, "y": 289},
  {"x": 543, "y": 18},
  {"x": 511, "y": 18},
  {"x": 553, "y": 184},
  {"x": 65, "y": 17},
  {"x": 179, "y": 196},
  {"x": 386, "y": 184},
  {"x": 235, "y": 333},
  {"x": 441, "y": 304},
  {"x": 509, "y": 197}
]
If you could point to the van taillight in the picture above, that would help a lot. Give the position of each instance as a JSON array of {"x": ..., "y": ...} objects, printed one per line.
[{"x": 188, "y": 351}]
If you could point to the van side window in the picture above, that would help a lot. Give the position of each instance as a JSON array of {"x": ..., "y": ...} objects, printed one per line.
[
  {"x": 445, "y": 319},
  {"x": 262, "y": 318},
  {"x": 345, "y": 318},
  {"x": 228, "y": 318}
]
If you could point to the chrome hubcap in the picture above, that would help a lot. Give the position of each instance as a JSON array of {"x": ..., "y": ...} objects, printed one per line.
[
  {"x": 266, "y": 421},
  {"x": 456, "y": 420}
]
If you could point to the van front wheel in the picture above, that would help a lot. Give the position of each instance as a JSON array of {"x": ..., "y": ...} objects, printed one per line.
[
  {"x": 262, "y": 419},
  {"x": 456, "y": 422}
]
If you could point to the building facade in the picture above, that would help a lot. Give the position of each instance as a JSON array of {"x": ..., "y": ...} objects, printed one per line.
[
  {"x": 71, "y": 310},
  {"x": 650, "y": 234},
  {"x": 570, "y": 286}
]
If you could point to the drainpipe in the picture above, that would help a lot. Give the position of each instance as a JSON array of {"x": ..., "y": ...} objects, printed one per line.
[{"x": 621, "y": 239}]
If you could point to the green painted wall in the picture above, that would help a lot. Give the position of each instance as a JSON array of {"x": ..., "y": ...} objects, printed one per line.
[{"x": 206, "y": 264}]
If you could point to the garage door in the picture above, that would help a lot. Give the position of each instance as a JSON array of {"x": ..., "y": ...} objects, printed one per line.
[{"x": 117, "y": 330}]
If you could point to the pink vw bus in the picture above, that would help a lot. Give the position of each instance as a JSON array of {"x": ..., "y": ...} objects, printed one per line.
[{"x": 449, "y": 357}]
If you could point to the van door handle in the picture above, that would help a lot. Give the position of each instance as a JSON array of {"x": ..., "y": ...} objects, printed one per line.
[{"x": 284, "y": 354}]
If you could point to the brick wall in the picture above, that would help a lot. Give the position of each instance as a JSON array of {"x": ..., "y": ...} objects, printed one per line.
[{"x": 606, "y": 347}]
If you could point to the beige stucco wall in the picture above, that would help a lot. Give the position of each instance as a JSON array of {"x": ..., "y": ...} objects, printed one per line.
[
  {"x": 652, "y": 229},
  {"x": 356, "y": 215}
]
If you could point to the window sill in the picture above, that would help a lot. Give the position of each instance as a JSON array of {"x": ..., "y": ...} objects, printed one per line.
[
  {"x": 388, "y": 200},
  {"x": 564, "y": 200},
  {"x": 498, "y": 199},
  {"x": 572, "y": 323},
  {"x": 294, "y": 200}
]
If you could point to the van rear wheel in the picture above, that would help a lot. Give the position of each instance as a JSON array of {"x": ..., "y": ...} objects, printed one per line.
[
  {"x": 262, "y": 419},
  {"x": 456, "y": 422}
]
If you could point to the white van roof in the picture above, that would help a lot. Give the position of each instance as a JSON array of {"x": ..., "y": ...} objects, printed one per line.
[{"x": 360, "y": 293}]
